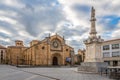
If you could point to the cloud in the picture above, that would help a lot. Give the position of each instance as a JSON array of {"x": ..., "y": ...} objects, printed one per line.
[
  {"x": 9, "y": 20},
  {"x": 35, "y": 19},
  {"x": 42, "y": 17},
  {"x": 29, "y": 19},
  {"x": 12, "y": 3}
]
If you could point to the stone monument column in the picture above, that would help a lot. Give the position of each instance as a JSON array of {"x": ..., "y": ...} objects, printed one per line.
[
  {"x": 93, "y": 43},
  {"x": 93, "y": 56}
]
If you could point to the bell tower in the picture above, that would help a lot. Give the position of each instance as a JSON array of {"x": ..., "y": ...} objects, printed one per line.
[{"x": 19, "y": 43}]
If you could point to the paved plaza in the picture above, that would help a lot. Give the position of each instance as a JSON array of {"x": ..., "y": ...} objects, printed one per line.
[{"x": 54, "y": 73}]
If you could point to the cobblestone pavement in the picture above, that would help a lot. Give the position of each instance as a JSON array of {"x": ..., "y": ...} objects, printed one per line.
[{"x": 12, "y": 73}]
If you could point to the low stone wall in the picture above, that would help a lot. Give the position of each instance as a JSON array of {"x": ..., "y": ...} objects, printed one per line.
[{"x": 94, "y": 67}]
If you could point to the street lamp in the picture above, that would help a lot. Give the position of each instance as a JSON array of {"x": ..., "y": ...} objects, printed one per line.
[
  {"x": 17, "y": 61},
  {"x": 72, "y": 56}
]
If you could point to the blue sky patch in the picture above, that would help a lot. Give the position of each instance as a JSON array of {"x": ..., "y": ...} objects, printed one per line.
[{"x": 110, "y": 22}]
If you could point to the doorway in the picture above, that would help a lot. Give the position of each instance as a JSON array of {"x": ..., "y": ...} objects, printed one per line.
[
  {"x": 55, "y": 61},
  {"x": 1, "y": 57}
]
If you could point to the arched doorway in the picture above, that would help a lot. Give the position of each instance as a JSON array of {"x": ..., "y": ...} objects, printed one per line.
[{"x": 55, "y": 61}]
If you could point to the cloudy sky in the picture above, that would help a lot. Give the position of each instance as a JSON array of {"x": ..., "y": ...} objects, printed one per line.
[{"x": 34, "y": 19}]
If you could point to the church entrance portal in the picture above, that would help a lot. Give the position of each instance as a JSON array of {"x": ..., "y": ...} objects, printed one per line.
[{"x": 55, "y": 61}]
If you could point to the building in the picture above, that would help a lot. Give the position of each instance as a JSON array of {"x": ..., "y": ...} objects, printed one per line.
[
  {"x": 15, "y": 53},
  {"x": 2, "y": 54},
  {"x": 82, "y": 54},
  {"x": 111, "y": 52},
  {"x": 50, "y": 51},
  {"x": 78, "y": 58}
]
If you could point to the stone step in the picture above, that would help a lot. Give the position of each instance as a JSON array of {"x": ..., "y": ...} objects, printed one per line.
[{"x": 87, "y": 69}]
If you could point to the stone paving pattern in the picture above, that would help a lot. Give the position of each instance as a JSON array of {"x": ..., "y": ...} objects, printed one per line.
[{"x": 12, "y": 73}]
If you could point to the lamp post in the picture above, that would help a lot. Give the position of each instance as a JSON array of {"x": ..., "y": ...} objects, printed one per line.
[
  {"x": 48, "y": 43},
  {"x": 72, "y": 57},
  {"x": 10, "y": 58},
  {"x": 17, "y": 61}
]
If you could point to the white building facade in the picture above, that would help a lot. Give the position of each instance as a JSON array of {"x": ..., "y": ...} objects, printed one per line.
[{"x": 111, "y": 52}]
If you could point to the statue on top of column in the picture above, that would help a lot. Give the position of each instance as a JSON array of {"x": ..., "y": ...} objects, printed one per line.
[{"x": 93, "y": 12}]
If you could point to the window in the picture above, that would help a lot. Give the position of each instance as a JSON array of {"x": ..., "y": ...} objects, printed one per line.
[
  {"x": 66, "y": 49},
  {"x": 106, "y": 47},
  {"x": 1, "y": 54},
  {"x": 116, "y": 54},
  {"x": 115, "y": 46},
  {"x": 107, "y": 62},
  {"x": 43, "y": 47},
  {"x": 1, "y": 51},
  {"x": 106, "y": 54}
]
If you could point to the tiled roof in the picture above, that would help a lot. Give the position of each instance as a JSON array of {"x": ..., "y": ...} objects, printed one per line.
[{"x": 2, "y": 47}]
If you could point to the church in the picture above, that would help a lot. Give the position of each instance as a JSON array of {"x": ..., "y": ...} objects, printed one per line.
[{"x": 48, "y": 52}]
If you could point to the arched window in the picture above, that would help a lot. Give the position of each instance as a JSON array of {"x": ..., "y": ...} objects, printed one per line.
[
  {"x": 43, "y": 47},
  {"x": 66, "y": 49}
]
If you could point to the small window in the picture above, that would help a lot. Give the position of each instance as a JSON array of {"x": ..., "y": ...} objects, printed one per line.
[
  {"x": 106, "y": 47},
  {"x": 66, "y": 49},
  {"x": 116, "y": 54},
  {"x": 43, "y": 47},
  {"x": 106, "y": 54},
  {"x": 115, "y": 46},
  {"x": 1, "y": 54},
  {"x": 1, "y": 51},
  {"x": 107, "y": 62}
]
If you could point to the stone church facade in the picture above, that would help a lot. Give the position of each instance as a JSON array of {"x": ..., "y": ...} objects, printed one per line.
[
  {"x": 50, "y": 51},
  {"x": 15, "y": 53}
]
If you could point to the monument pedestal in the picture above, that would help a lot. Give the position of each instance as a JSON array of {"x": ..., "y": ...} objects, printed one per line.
[{"x": 94, "y": 67}]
